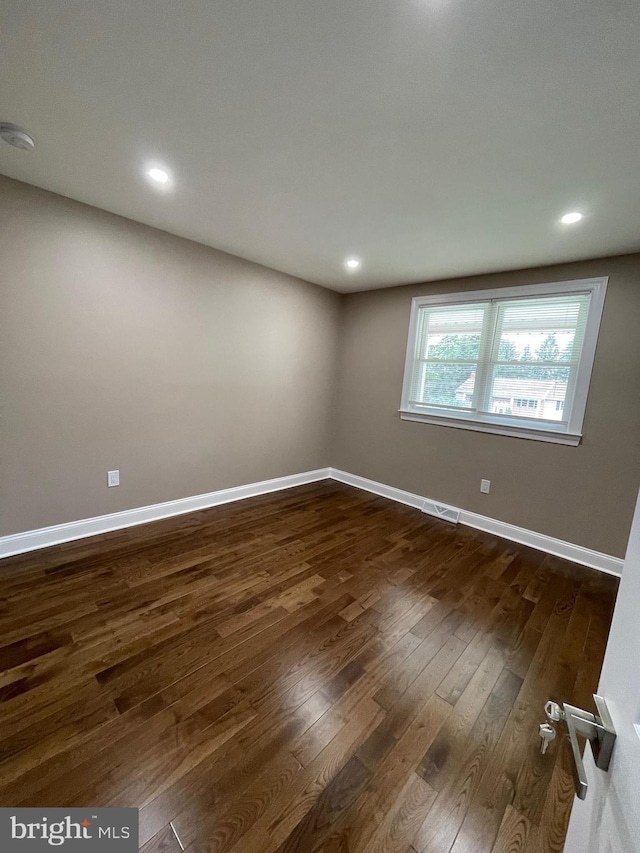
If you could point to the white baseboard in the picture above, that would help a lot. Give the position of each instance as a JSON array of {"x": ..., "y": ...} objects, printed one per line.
[
  {"x": 559, "y": 548},
  {"x": 390, "y": 492},
  {"x": 19, "y": 543},
  {"x": 31, "y": 540}
]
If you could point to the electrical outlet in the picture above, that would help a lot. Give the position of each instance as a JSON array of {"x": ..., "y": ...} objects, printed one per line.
[
  {"x": 485, "y": 486},
  {"x": 113, "y": 478}
]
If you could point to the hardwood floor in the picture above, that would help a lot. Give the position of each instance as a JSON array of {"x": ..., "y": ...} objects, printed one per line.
[{"x": 317, "y": 669}]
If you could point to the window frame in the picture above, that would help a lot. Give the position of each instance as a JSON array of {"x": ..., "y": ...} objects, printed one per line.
[{"x": 533, "y": 428}]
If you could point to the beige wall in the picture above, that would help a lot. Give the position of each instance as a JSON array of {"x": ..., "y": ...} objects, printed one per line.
[
  {"x": 584, "y": 495},
  {"x": 124, "y": 347}
]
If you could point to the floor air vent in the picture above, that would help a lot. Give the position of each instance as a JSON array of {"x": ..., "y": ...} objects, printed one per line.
[{"x": 446, "y": 513}]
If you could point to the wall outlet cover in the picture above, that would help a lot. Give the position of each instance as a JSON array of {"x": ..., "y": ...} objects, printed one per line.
[{"x": 113, "y": 478}]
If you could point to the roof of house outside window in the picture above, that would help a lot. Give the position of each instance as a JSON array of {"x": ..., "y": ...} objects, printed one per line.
[{"x": 530, "y": 389}]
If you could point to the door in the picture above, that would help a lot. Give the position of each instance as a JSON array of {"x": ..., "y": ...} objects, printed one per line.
[{"x": 608, "y": 820}]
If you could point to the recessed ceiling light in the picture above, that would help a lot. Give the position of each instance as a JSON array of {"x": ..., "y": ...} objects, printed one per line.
[
  {"x": 571, "y": 218},
  {"x": 353, "y": 263},
  {"x": 158, "y": 175}
]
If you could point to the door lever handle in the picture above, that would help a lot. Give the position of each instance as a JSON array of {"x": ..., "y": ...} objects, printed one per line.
[{"x": 598, "y": 729}]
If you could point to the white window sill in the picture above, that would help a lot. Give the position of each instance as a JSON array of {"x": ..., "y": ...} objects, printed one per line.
[{"x": 514, "y": 431}]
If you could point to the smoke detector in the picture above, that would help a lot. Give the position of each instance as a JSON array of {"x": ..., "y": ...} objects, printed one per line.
[{"x": 16, "y": 136}]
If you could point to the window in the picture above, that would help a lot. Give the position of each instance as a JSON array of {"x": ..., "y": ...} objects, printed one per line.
[{"x": 514, "y": 360}]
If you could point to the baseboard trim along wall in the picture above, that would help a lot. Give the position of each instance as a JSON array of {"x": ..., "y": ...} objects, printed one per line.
[
  {"x": 31, "y": 540},
  {"x": 557, "y": 547}
]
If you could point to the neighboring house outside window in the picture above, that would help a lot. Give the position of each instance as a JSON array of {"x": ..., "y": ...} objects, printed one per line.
[
  {"x": 546, "y": 397},
  {"x": 515, "y": 361}
]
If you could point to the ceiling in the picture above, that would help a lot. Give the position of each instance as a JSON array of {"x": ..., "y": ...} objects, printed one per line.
[{"x": 430, "y": 138}]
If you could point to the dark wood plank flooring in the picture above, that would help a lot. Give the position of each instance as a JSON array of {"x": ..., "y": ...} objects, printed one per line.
[{"x": 317, "y": 669}]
